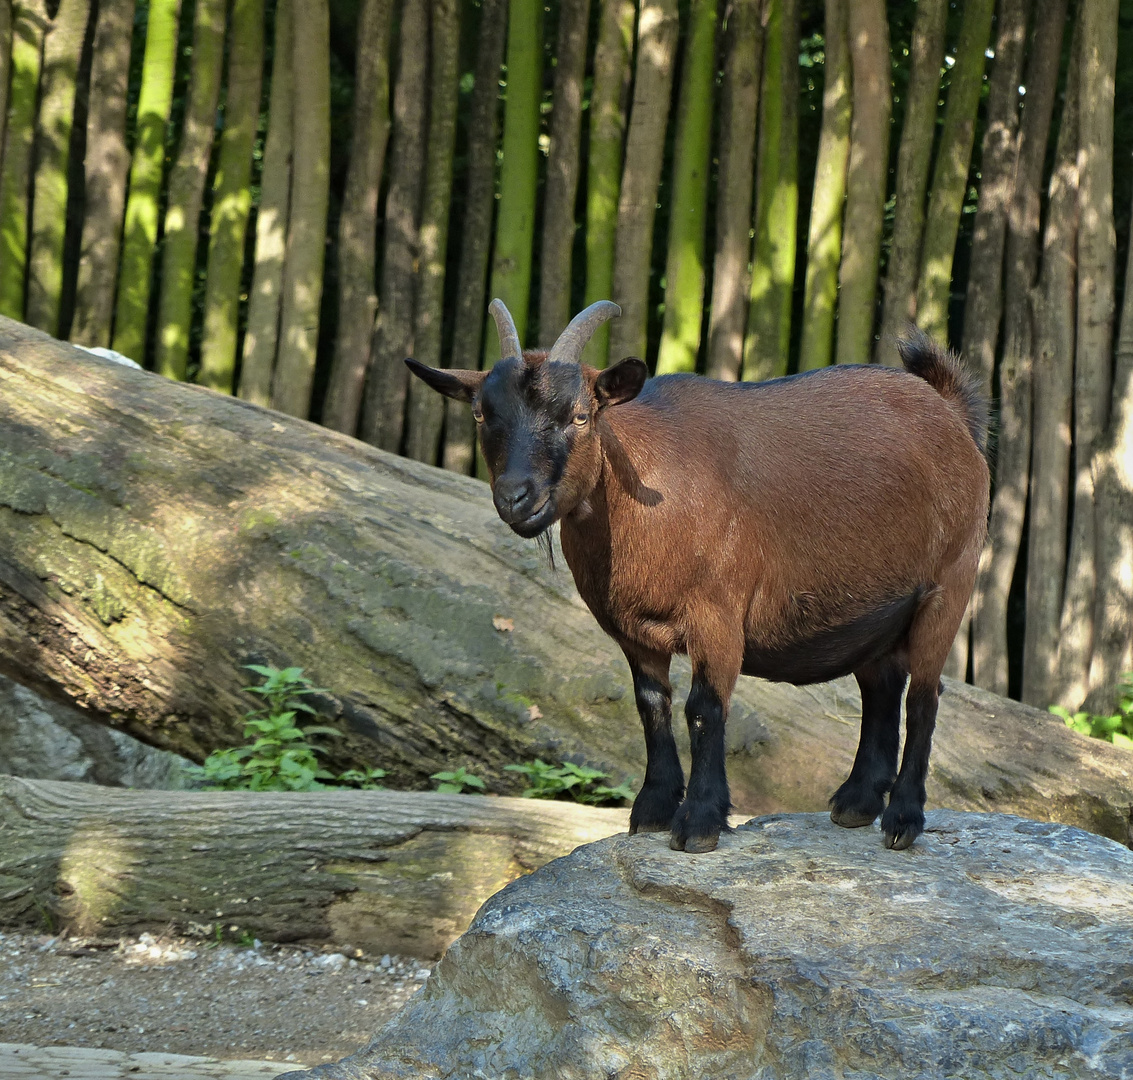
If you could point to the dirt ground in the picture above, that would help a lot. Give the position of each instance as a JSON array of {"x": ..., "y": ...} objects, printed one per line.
[{"x": 270, "y": 1002}]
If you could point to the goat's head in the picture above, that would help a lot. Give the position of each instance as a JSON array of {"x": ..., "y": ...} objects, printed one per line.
[{"x": 538, "y": 417}]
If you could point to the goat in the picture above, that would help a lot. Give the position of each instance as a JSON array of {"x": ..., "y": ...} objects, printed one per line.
[{"x": 798, "y": 530}]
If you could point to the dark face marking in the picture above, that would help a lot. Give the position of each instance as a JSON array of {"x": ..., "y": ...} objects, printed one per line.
[{"x": 530, "y": 418}]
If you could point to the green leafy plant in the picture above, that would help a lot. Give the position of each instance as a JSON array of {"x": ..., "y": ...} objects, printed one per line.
[
  {"x": 279, "y": 755},
  {"x": 578, "y": 782},
  {"x": 454, "y": 782},
  {"x": 1116, "y": 728}
]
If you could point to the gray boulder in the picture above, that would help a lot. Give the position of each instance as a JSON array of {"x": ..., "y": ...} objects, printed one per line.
[
  {"x": 45, "y": 740},
  {"x": 995, "y": 947}
]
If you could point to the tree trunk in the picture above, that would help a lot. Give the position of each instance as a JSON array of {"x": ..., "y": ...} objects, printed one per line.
[
  {"x": 561, "y": 191},
  {"x": 28, "y": 26},
  {"x": 519, "y": 169},
  {"x": 1054, "y": 308},
  {"x": 913, "y": 158},
  {"x": 232, "y": 196},
  {"x": 357, "y": 227},
  {"x": 984, "y": 303},
  {"x": 866, "y": 184},
  {"x": 5, "y": 66},
  {"x": 768, "y": 334},
  {"x": 739, "y": 109},
  {"x": 613, "y": 55},
  {"x": 62, "y": 48},
  {"x": 140, "y": 231},
  {"x": 301, "y": 290},
  {"x": 107, "y": 163},
  {"x": 1096, "y": 264},
  {"x": 824, "y": 243},
  {"x": 1021, "y": 224},
  {"x": 186, "y": 192},
  {"x": 950, "y": 176},
  {"x": 684, "y": 273},
  {"x": 386, "y": 871},
  {"x": 261, "y": 336},
  {"x": 170, "y": 534},
  {"x": 472, "y": 275},
  {"x": 383, "y": 416},
  {"x": 426, "y": 406},
  {"x": 657, "y": 28}
]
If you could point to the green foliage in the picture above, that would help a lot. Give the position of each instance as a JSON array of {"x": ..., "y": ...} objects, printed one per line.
[
  {"x": 1116, "y": 728},
  {"x": 278, "y": 756},
  {"x": 579, "y": 782},
  {"x": 454, "y": 782}
]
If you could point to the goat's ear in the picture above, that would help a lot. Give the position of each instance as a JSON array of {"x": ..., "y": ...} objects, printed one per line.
[
  {"x": 620, "y": 383},
  {"x": 452, "y": 382}
]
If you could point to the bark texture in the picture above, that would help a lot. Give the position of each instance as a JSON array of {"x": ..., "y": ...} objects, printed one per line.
[
  {"x": 613, "y": 53},
  {"x": 62, "y": 48},
  {"x": 926, "y": 57},
  {"x": 389, "y": 872},
  {"x": 1055, "y": 307},
  {"x": 472, "y": 275},
  {"x": 561, "y": 188},
  {"x": 261, "y": 337},
  {"x": 426, "y": 406},
  {"x": 768, "y": 335},
  {"x": 950, "y": 175},
  {"x": 657, "y": 27},
  {"x": 739, "y": 110},
  {"x": 1097, "y": 256},
  {"x": 302, "y": 286},
  {"x": 824, "y": 242},
  {"x": 684, "y": 273},
  {"x": 29, "y": 24},
  {"x": 383, "y": 416},
  {"x": 107, "y": 164},
  {"x": 357, "y": 227},
  {"x": 865, "y": 182},
  {"x": 232, "y": 196},
  {"x": 187, "y": 190},
  {"x": 154, "y": 536},
  {"x": 140, "y": 231},
  {"x": 519, "y": 169}
]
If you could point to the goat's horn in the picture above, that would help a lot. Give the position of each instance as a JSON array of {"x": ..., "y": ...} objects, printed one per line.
[
  {"x": 505, "y": 327},
  {"x": 581, "y": 329}
]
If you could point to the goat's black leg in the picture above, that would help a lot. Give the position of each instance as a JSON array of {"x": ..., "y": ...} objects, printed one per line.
[
  {"x": 664, "y": 785},
  {"x": 862, "y": 797},
  {"x": 903, "y": 820},
  {"x": 703, "y": 815}
]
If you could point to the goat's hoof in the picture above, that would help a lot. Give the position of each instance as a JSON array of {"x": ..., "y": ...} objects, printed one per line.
[
  {"x": 695, "y": 845},
  {"x": 899, "y": 828},
  {"x": 852, "y": 819},
  {"x": 648, "y": 827}
]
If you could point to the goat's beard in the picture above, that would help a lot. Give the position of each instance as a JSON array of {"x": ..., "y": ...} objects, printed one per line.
[{"x": 546, "y": 543}]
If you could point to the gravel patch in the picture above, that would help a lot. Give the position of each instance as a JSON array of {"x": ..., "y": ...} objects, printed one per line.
[{"x": 176, "y": 995}]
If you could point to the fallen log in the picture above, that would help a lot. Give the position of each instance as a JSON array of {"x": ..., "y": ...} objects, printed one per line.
[
  {"x": 383, "y": 871},
  {"x": 155, "y": 537}
]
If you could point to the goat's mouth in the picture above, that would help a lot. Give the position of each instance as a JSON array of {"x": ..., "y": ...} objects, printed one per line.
[{"x": 539, "y": 521}]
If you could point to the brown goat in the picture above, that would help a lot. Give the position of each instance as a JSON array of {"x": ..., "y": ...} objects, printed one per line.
[{"x": 798, "y": 530}]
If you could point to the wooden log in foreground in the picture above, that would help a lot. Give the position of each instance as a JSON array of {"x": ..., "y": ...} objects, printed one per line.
[
  {"x": 156, "y": 536},
  {"x": 385, "y": 871}
]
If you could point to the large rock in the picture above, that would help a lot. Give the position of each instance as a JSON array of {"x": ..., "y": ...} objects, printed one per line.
[
  {"x": 48, "y": 740},
  {"x": 996, "y": 947}
]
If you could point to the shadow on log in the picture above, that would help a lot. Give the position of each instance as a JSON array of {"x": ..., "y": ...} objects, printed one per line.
[
  {"x": 156, "y": 536},
  {"x": 385, "y": 871}
]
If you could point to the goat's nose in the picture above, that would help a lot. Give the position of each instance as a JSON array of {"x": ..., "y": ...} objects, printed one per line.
[{"x": 514, "y": 496}]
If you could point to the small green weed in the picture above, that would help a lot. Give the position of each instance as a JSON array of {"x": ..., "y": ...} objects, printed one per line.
[
  {"x": 279, "y": 756},
  {"x": 579, "y": 782},
  {"x": 454, "y": 782},
  {"x": 1116, "y": 728}
]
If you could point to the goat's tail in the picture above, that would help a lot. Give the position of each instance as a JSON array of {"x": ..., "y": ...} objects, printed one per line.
[{"x": 942, "y": 370}]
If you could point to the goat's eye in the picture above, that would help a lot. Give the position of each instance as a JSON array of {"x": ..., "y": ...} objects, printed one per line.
[
  {"x": 477, "y": 414},
  {"x": 581, "y": 419}
]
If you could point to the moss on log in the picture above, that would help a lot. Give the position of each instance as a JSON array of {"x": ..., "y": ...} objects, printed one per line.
[
  {"x": 155, "y": 536},
  {"x": 386, "y": 871}
]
